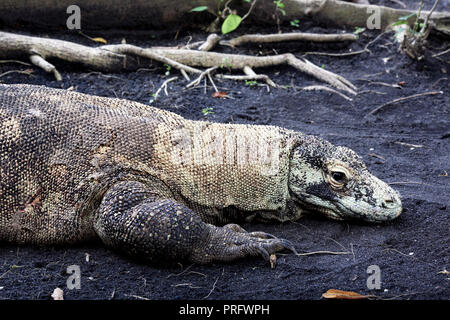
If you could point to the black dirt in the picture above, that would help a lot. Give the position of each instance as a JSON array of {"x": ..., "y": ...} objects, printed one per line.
[{"x": 405, "y": 143}]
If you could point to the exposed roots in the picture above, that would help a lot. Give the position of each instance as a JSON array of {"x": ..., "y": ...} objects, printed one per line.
[
  {"x": 120, "y": 57},
  {"x": 297, "y": 36},
  {"x": 40, "y": 62}
]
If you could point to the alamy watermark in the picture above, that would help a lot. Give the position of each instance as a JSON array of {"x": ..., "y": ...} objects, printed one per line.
[
  {"x": 226, "y": 146},
  {"x": 74, "y": 280},
  {"x": 374, "y": 19},
  {"x": 374, "y": 278},
  {"x": 74, "y": 20}
]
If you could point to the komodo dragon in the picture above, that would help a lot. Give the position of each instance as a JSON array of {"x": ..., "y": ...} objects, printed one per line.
[{"x": 157, "y": 186}]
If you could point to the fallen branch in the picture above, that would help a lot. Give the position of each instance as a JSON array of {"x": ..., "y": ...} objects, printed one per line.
[
  {"x": 297, "y": 36},
  {"x": 122, "y": 57},
  {"x": 403, "y": 99}
]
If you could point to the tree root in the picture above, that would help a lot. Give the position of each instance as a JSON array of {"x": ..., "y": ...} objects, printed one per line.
[
  {"x": 300, "y": 36},
  {"x": 121, "y": 57},
  {"x": 351, "y": 14},
  {"x": 164, "y": 86},
  {"x": 40, "y": 62}
]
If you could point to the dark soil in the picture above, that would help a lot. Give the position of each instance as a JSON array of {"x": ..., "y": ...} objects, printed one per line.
[{"x": 411, "y": 251}]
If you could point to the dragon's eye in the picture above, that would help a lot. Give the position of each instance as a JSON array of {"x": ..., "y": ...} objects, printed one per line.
[
  {"x": 337, "y": 179},
  {"x": 337, "y": 176}
]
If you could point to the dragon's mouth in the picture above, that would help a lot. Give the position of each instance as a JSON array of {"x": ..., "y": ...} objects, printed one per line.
[
  {"x": 338, "y": 211},
  {"x": 329, "y": 212}
]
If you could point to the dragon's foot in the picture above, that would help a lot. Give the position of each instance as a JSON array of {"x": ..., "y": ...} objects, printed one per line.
[{"x": 232, "y": 242}]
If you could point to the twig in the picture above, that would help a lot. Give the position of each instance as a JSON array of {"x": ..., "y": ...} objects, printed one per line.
[
  {"x": 309, "y": 88},
  {"x": 409, "y": 144},
  {"x": 377, "y": 156},
  {"x": 187, "y": 284},
  {"x": 407, "y": 182},
  {"x": 249, "y": 72},
  {"x": 247, "y": 77},
  {"x": 425, "y": 23},
  {"x": 382, "y": 84},
  {"x": 441, "y": 53},
  {"x": 403, "y": 99},
  {"x": 15, "y": 71},
  {"x": 101, "y": 74},
  {"x": 366, "y": 49},
  {"x": 213, "y": 287},
  {"x": 185, "y": 75},
  {"x": 249, "y": 10},
  {"x": 201, "y": 76},
  {"x": 40, "y": 62},
  {"x": 398, "y": 251},
  {"x": 371, "y": 91},
  {"x": 15, "y": 61},
  {"x": 137, "y": 297},
  {"x": 212, "y": 82},
  {"x": 322, "y": 252},
  {"x": 437, "y": 81},
  {"x": 353, "y": 252},
  {"x": 164, "y": 86},
  {"x": 179, "y": 274}
]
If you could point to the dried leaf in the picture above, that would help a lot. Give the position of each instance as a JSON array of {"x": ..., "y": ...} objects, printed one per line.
[
  {"x": 58, "y": 294},
  {"x": 340, "y": 294},
  {"x": 273, "y": 260},
  {"x": 98, "y": 39},
  {"x": 401, "y": 83},
  {"x": 219, "y": 94}
]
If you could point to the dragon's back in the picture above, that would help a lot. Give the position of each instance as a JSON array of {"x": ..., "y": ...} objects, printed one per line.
[{"x": 58, "y": 149}]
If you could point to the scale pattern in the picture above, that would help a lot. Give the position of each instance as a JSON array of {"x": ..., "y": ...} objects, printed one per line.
[{"x": 146, "y": 181}]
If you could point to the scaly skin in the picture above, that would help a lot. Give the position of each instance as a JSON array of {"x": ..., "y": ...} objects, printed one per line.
[{"x": 159, "y": 187}]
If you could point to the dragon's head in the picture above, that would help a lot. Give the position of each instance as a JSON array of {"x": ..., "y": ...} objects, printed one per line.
[{"x": 336, "y": 182}]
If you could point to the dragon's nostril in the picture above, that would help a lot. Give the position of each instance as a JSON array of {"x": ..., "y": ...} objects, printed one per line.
[{"x": 389, "y": 203}]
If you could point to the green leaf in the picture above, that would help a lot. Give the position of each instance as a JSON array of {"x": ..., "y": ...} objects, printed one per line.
[
  {"x": 199, "y": 9},
  {"x": 400, "y": 22},
  {"x": 279, "y": 4},
  {"x": 359, "y": 30},
  {"x": 231, "y": 23}
]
